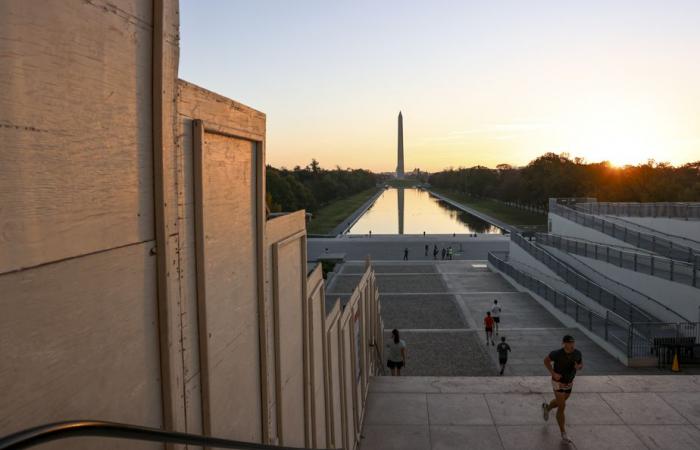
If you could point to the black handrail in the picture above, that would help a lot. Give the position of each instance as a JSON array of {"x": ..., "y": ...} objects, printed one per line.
[{"x": 82, "y": 428}]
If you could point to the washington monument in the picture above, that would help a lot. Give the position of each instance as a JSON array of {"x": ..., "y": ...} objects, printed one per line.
[{"x": 399, "y": 164}]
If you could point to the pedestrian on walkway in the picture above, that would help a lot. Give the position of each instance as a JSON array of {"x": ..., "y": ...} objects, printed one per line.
[
  {"x": 405, "y": 254},
  {"x": 496, "y": 313},
  {"x": 449, "y": 252},
  {"x": 397, "y": 354},
  {"x": 488, "y": 325},
  {"x": 562, "y": 365},
  {"x": 435, "y": 252},
  {"x": 444, "y": 252},
  {"x": 503, "y": 350},
  {"x": 427, "y": 247}
]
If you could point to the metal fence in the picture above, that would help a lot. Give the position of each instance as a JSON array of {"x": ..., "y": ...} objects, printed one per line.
[
  {"x": 638, "y": 340},
  {"x": 633, "y": 209},
  {"x": 647, "y": 241},
  {"x": 664, "y": 341},
  {"x": 658, "y": 266},
  {"x": 611, "y": 327},
  {"x": 582, "y": 284}
]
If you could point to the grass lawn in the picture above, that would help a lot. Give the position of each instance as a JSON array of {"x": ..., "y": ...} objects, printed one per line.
[
  {"x": 497, "y": 210},
  {"x": 330, "y": 216}
]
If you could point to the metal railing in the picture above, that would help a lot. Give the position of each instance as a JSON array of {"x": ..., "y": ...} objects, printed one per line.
[
  {"x": 648, "y": 339},
  {"x": 582, "y": 284},
  {"x": 611, "y": 327},
  {"x": 658, "y": 266},
  {"x": 94, "y": 428},
  {"x": 638, "y": 340},
  {"x": 681, "y": 210},
  {"x": 648, "y": 304},
  {"x": 647, "y": 241}
]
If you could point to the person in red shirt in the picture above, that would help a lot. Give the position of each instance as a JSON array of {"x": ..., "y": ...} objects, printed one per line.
[{"x": 488, "y": 325}]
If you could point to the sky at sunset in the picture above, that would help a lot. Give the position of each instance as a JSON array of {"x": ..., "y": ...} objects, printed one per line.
[{"x": 478, "y": 82}]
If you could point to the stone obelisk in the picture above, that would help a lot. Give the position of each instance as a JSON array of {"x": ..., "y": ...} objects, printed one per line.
[{"x": 399, "y": 164}]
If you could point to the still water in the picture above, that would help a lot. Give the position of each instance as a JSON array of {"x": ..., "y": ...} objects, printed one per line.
[{"x": 413, "y": 211}]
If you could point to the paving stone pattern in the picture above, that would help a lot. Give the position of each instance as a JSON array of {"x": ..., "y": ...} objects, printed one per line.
[
  {"x": 604, "y": 412},
  {"x": 444, "y": 353}
]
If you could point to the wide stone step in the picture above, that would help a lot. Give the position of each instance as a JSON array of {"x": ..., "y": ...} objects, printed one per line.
[{"x": 616, "y": 412}]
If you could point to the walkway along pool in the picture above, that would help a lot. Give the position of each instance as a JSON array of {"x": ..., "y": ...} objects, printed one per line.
[{"x": 414, "y": 211}]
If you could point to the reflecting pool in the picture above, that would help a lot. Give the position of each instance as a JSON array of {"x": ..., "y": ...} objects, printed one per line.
[{"x": 414, "y": 211}]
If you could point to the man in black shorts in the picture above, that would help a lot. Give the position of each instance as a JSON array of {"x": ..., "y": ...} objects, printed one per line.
[
  {"x": 566, "y": 361},
  {"x": 503, "y": 350}
]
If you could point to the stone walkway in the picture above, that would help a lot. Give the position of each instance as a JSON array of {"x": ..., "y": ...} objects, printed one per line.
[
  {"x": 482, "y": 413},
  {"x": 439, "y": 308},
  {"x": 391, "y": 247}
]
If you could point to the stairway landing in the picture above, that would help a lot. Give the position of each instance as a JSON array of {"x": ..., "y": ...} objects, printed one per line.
[{"x": 604, "y": 412}]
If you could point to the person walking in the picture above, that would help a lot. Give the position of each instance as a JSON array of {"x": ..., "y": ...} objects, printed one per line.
[
  {"x": 397, "y": 354},
  {"x": 488, "y": 326},
  {"x": 435, "y": 252},
  {"x": 427, "y": 247},
  {"x": 449, "y": 252},
  {"x": 496, "y": 313},
  {"x": 562, "y": 365},
  {"x": 444, "y": 252},
  {"x": 502, "y": 350},
  {"x": 405, "y": 254}
]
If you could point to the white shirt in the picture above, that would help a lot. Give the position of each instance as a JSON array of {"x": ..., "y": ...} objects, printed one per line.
[
  {"x": 395, "y": 350},
  {"x": 496, "y": 311}
]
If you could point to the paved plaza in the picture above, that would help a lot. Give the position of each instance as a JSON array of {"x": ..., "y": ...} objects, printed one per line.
[
  {"x": 391, "y": 247},
  {"x": 451, "y": 397},
  {"x": 439, "y": 308},
  {"x": 604, "y": 412}
]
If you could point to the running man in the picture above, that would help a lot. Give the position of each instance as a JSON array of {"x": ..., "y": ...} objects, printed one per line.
[
  {"x": 496, "y": 313},
  {"x": 567, "y": 360},
  {"x": 488, "y": 325},
  {"x": 503, "y": 350}
]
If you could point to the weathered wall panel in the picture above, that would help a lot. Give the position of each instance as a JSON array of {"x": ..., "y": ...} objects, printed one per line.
[
  {"x": 230, "y": 305},
  {"x": 76, "y": 167},
  {"x": 333, "y": 367},
  {"x": 79, "y": 341},
  {"x": 289, "y": 318},
  {"x": 316, "y": 306}
]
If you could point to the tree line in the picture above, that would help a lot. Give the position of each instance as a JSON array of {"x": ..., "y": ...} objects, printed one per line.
[
  {"x": 312, "y": 187},
  {"x": 553, "y": 175}
]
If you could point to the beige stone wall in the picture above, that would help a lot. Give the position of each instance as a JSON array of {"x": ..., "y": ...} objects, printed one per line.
[
  {"x": 139, "y": 279},
  {"x": 79, "y": 270}
]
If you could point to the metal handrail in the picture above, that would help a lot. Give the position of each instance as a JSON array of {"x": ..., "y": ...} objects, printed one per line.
[
  {"x": 684, "y": 210},
  {"x": 628, "y": 223},
  {"x": 552, "y": 295},
  {"x": 639, "y": 239},
  {"x": 95, "y": 428},
  {"x": 572, "y": 274},
  {"x": 655, "y": 261}
]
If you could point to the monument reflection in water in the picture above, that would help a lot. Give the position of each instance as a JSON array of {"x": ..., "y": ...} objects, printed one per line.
[{"x": 413, "y": 211}]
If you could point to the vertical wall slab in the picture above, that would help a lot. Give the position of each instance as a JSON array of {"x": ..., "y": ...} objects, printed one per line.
[{"x": 228, "y": 277}]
